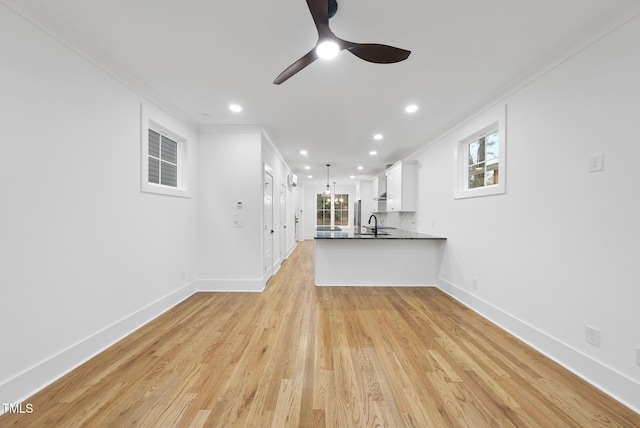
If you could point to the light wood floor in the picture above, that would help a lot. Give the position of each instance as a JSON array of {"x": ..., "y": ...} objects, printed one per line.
[{"x": 300, "y": 355}]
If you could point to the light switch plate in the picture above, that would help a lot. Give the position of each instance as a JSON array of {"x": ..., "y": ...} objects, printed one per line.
[
  {"x": 596, "y": 162},
  {"x": 593, "y": 336}
]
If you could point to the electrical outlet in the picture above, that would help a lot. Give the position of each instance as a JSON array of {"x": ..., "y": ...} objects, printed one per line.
[
  {"x": 593, "y": 336},
  {"x": 596, "y": 162},
  {"x": 474, "y": 283}
]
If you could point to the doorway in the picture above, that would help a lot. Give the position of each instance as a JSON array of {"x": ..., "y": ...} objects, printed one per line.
[
  {"x": 268, "y": 223},
  {"x": 283, "y": 222}
]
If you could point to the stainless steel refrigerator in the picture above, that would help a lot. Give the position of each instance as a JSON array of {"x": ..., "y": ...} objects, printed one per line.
[{"x": 357, "y": 216}]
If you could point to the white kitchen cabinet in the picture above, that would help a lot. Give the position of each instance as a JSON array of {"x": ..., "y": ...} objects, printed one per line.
[{"x": 402, "y": 186}]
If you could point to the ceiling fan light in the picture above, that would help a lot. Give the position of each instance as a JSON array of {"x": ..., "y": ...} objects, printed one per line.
[{"x": 328, "y": 49}]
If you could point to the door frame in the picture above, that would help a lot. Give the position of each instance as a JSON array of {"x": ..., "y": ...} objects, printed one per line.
[{"x": 267, "y": 267}]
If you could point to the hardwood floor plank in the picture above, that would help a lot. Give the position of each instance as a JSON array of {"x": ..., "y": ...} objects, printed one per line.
[
  {"x": 304, "y": 356},
  {"x": 200, "y": 420}
]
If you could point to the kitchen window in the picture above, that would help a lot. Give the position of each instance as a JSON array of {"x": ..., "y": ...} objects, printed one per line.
[
  {"x": 323, "y": 209},
  {"x": 341, "y": 210},
  {"x": 480, "y": 162},
  {"x": 330, "y": 208},
  {"x": 164, "y": 155}
]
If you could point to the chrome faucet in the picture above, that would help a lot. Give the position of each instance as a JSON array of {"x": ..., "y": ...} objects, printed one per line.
[{"x": 375, "y": 224}]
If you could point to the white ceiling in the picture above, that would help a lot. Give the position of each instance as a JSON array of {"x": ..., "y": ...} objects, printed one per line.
[{"x": 202, "y": 55}]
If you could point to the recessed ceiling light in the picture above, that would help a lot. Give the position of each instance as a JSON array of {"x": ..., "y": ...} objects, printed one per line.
[
  {"x": 309, "y": 176},
  {"x": 373, "y": 153},
  {"x": 307, "y": 167},
  {"x": 303, "y": 152},
  {"x": 328, "y": 49},
  {"x": 377, "y": 137},
  {"x": 353, "y": 176},
  {"x": 235, "y": 108},
  {"x": 411, "y": 108},
  {"x": 360, "y": 167}
]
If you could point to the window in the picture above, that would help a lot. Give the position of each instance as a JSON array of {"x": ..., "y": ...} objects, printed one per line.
[
  {"x": 326, "y": 210},
  {"x": 164, "y": 154},
  {"x": 480, "y": 162},
  {"x": 483, "y": 161},
  {"x": 163, "y": 160},
  {"x": 323, "y": 209},
  {"x": 341, "y": 210}
]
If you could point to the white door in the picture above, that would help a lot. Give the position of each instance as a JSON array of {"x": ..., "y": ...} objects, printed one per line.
[
  {"x": 283, "y": 221},
  {"x": 268, "y": 223}
]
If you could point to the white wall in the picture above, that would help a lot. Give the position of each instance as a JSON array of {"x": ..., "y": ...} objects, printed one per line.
[
  {"x": 86, "y": 257},
  {"x": 229, "y": 170},
  {"x": 559, "y": 250}
]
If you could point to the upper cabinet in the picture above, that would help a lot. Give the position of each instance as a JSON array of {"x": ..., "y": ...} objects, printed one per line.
[{"x": 402, "y": 186}]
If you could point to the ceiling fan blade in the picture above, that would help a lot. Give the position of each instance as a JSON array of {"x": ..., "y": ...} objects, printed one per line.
[
  {"x": 297, "y": 66},
  {"x": 320, "y": 12},
  {"x": 373, "y": 52}
]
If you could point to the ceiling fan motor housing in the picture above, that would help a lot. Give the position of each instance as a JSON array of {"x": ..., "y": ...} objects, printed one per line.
[{"x": 333, "y": 8}]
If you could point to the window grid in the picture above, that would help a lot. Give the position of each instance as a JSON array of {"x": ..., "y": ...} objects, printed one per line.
[
  {"x": 163, "y": 160},
  {"x": 341, "y": 210},
  {"x": 325, "y": 210},
  {"x": 483, "y": 161}
]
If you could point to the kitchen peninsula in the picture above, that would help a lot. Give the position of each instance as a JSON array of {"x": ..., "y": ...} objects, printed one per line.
[{"x": 392, "y": 258}]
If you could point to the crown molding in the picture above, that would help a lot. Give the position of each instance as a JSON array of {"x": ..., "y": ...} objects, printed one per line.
[{"x": 68, "y": 37}]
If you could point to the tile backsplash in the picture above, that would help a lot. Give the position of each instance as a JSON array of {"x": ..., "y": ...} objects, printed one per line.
[{"x": 399, "y": 220}]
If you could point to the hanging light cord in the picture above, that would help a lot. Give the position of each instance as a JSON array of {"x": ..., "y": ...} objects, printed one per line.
[{"x": 328, "y": 186}]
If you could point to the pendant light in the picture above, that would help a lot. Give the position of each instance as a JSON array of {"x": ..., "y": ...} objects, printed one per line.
[{"x": 328, "y": 191}]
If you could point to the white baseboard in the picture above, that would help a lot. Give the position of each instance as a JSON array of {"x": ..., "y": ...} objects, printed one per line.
[
  {"x": 291, "y": 248},
  {"x": 231, "y": 285},
  {"x": 606, "y": 379},
  {"x": 22, "y": 386}
]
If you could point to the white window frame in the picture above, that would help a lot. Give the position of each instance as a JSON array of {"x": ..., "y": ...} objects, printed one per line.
[
  {"x": 332, "y": 210},
  {"x": 157, "y": 121},
  {"x": 461, "y": 158}
]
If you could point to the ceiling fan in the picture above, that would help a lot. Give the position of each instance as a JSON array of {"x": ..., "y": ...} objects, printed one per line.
[{"x": 329, "y": 45}]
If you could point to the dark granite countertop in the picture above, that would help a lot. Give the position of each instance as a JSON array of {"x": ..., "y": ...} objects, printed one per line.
[{"x": 386, "y": 233}]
